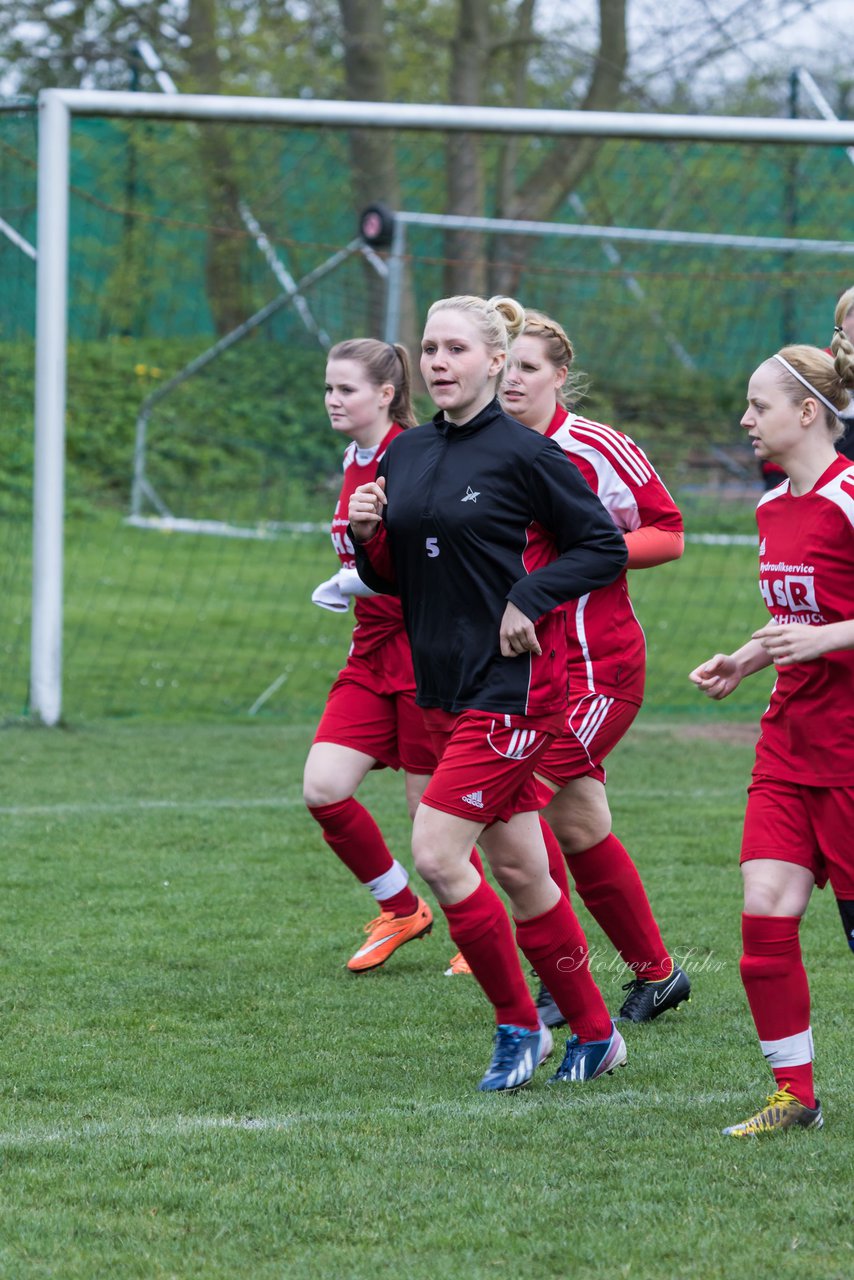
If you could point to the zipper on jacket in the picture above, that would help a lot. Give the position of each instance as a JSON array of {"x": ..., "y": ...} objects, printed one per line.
[{"x": 427, "y": 509}]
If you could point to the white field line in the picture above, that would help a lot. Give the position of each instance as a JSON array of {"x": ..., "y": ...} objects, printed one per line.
[
  {"x": 276, "y": 528},
  {"x": 144, "y": 806},
  {"x": 182, "y": 1126},
  {"x": 204, "y": 806},
  {"x": 723, "y": 539}
]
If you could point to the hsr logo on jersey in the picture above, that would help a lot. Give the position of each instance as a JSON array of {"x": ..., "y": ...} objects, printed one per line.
[
  {"x": 471, "y": 495},
  {"x": 795, "y": 592}
]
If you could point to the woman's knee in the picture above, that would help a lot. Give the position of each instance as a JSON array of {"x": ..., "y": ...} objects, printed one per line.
[
  {"x": 579, "y": 815},
  {"x": 577, "y": 835},
  {"x": 332, "y": 774},
  {"x": 434, "y": 861},
  {"x": 516, "y": 878},
  {"x": 427, "y": 859},
  {"x": 320, "y": 788},
  {"x": 773, "y": 888}
]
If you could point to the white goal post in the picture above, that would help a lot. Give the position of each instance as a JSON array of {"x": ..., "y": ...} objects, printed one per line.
[{"x": 56, "y": 109}]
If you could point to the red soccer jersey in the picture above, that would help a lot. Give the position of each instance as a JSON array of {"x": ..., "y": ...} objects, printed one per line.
[
  {"x": 806, "y": 575},
  {"x": 607, "y": 648},
  {"x": 377, "y": 617}
]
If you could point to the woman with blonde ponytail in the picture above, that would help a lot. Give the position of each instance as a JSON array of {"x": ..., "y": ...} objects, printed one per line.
[
  {"x": 484, "y": 529},
  {"x": 800, "y": 807}
]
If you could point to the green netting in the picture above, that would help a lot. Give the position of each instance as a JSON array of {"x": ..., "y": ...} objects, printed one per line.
[{"x": 161, "y": 264}]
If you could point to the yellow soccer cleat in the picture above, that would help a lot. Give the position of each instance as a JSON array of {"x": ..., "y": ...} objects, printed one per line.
[{"x": 782, "y": 1112}]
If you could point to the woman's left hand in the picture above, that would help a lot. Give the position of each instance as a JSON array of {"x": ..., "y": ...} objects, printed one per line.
[
  {"x": 790, "y": 642},
  {"x": 517, "y": 634}
]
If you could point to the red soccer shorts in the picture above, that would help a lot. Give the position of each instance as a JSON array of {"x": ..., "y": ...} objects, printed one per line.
[
  {"x": 594, "y": 725},
  {"x": 368, "y": 711},
  {"x": 810, "y": 826},
  {"x": 486, "y": 763}
]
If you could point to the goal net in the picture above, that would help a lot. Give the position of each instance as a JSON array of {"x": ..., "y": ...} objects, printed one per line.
[{"x": 210, "y": 265}]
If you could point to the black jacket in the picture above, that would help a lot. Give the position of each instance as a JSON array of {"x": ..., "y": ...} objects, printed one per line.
[{"x": 478, "y": 515}]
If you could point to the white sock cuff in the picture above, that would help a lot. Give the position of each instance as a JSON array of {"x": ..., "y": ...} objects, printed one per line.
[
  {"x": 389, "y": 883},
  {"x": 790, "y": 1051}
]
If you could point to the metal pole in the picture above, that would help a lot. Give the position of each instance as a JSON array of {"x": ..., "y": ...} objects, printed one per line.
[
  {"x": 820, "y": 102},
  {"x": 394, "y": 281},
  {"x": 49, "y": 468},
  {"x": 405, "y": 116}
]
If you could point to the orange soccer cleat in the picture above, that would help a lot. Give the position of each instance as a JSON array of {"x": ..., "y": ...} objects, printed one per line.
[
  {"x": 458, "y": 967},
  {"x": 386, "y": 933}
]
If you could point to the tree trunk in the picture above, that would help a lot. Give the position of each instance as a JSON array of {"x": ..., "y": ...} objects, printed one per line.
[
  {"x": 567, "y": 161},
  {"x": 226, "y": 288},
  {"x": 465, "y": 267},
  {"x": 372, "y": 157}
]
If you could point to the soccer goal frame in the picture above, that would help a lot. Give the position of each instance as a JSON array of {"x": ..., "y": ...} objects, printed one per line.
[{"x": 56, "y": 109}]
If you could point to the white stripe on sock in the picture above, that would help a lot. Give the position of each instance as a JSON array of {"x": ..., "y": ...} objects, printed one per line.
[
  {"x": 790, "y": 1051},
  {"x": 389, "y": 883}
]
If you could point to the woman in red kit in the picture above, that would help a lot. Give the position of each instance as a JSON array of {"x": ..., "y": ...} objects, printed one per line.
[
  {"x": 607, "y": 662},
  {"x": 800, "y": 806},
  {"x": 484, "y": 529},
  {"x": 370, "y": 719}
]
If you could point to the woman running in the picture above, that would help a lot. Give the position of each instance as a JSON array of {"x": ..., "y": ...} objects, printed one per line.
[
  {"x": 370, "y": 720},
  {"x": 484, "y": 529},
  {"x": 800, "y": 806},
  {"x": 607, "y": 661}
]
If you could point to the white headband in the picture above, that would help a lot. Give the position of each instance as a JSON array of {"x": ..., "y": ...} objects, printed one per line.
[{"x": 810, "y": 388}]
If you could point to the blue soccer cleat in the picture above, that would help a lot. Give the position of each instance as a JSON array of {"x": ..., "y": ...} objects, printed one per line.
[
  {"x": 584, "y": 1062},
  {"x": 517, "y": 1054}
]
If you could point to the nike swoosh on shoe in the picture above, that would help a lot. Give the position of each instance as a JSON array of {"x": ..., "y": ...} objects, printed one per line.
[
  {"x": 659, "y": 996},
  {"x": 372, "y": 946}
]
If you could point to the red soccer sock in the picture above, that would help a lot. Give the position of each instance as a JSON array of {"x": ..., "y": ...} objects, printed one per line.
[
  {"x": 480, "y": 928},
  {"x": 555, "y": 944},
  {"x": 557, "y": 859},
  {"x": 612, "y": 891},
  {"x": 476, "y": 862},
  {"x": 352, "y": 834},
  {"x": 775, "y": 981}
]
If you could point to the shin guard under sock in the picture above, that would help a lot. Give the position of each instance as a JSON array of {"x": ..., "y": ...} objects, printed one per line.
[
  {"x": 480, "y": 928},
  {"x": 353, "y": 835},
  {"x": 775, "y": 981},
  {"x": 555, "y": 945},
  {"x": 611, "y": 889}
]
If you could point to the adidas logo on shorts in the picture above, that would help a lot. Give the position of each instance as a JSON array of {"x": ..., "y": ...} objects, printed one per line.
[{"x": 474, "y": 798}]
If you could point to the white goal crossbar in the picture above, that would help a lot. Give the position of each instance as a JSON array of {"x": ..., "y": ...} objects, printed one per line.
[{"x": 56, "y": 109}]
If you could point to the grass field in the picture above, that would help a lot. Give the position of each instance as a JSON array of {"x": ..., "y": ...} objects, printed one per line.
[{"x": 194, "y": 1086}]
